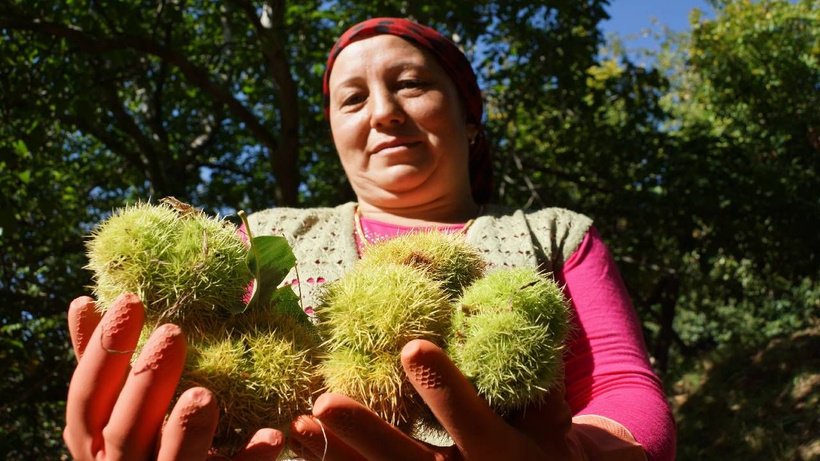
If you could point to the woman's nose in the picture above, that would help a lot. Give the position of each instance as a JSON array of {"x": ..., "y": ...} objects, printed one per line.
[{"x": 385, "y": 109}]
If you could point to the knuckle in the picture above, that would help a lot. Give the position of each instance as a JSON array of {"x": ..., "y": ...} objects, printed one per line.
[
  {"x": 114, "y": 438},
  {"x": 77, "y": 445}
]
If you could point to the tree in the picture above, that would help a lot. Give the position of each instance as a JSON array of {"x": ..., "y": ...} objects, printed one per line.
[{"x": 744, "y": 126}]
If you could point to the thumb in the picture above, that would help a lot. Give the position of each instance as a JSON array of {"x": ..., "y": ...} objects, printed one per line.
[{"x": 471, "y": 423}]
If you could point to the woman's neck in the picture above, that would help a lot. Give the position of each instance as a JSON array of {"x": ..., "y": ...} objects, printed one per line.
[{"x": 435, "y": 213}]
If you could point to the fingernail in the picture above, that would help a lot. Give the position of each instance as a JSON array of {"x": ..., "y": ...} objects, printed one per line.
[
  {"x": 265, "y": 444},
  {"x": 266, "y": 437},
  {"x": 301, "y": 427},
  {"x": 121, "y": 324},
  {"x": 161, "y": 345}
]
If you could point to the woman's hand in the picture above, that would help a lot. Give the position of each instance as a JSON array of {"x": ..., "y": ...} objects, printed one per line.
[
  {"x": 343, "y": 429},
  {"x": 117, "y": 411}
]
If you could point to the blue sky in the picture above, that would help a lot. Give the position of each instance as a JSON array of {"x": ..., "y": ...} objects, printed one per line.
[{"x": 630, "y": 18}]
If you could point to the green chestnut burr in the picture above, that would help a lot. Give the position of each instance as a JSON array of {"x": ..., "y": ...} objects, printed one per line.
[
  {"x": 446, "y": 258},
  {"x": 508, "y": 335},
  {"x": 366, "y": 317}
]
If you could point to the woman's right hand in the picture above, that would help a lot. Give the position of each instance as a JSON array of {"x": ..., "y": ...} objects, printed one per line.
[{"x": 117, "y": 411}]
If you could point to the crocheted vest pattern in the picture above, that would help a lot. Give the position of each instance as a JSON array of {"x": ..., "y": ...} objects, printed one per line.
[{"x": 323, "y": 240}]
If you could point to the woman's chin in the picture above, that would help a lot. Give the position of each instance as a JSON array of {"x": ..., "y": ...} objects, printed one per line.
[{"x": 402, "y": 179}]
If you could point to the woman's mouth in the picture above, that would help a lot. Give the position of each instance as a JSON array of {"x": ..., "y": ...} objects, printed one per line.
[{"x": 396, "y": 146}]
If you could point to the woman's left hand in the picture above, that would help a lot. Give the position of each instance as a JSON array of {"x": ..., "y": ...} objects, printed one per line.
[{"x": 342, "y": 429}]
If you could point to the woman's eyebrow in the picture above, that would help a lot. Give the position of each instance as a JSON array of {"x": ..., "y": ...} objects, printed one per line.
[
  {"x": 394, "y": 67},
  {"x": 350, "y": 81}
]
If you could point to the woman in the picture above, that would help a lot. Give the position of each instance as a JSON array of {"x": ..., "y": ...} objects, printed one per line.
[{"x": 405, "y": 113}]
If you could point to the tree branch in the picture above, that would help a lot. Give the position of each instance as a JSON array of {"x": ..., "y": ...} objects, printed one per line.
[
  {"x": 210, "y": 130},
  {"x": 111, "y": 142},
  {"x": 271, "y": 42},
  {"x": 198, "y": 77},
  {"x": 529, "y": 165},
  {"x": 124, "y": 120},
  {"x": 153, "y": 154},
  {"x": 227, "y": 167},
  {"x": 534, "y": 195},
  {"x": 154, "y": 116}
]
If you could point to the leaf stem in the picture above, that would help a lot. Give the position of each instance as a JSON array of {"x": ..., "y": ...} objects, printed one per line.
[{"x": 244, "y": 217}]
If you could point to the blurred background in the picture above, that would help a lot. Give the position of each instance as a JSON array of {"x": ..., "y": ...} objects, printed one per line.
[{"x": 692, "y": 139}]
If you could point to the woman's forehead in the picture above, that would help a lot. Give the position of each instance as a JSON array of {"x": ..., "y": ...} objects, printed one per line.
[{"x": 382, "y": 52}]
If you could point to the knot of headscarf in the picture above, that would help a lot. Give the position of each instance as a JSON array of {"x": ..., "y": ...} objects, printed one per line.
[{"x": 457, "y": 67}]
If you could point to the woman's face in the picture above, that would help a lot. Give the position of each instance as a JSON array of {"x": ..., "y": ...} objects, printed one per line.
[{"x": 398, "y": 124}]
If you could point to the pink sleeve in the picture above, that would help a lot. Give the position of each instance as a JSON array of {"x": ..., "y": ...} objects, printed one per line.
[{"x": 607, "y": 368}]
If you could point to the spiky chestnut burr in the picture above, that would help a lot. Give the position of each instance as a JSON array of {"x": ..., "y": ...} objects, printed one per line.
[
  {"x": 446, "y": 258},
  {"x": 192, "y": 270},
  {"x": 507, "y": 337},
  {"x": 184, "y": 265},
  {"x": 366, "y": 317},
  {"x": 262, "y": 369}
]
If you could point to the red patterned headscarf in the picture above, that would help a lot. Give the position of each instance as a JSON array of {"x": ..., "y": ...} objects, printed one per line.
[{"x": 453, "y": 61}]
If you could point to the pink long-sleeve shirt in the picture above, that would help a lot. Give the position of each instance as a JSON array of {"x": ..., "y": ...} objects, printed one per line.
[{"x": 607, "y": 368}]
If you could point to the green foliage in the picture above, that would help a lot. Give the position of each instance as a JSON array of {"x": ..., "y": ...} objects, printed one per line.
[
  {"x": 36, "y": 362},
  {"x": 740, "y": 305},
  {"x": 269, "y": 259},
  {"x": 745, "y": 116},
  {"x": 46, "y": 206},
  {"x": 743, "y": 129}
]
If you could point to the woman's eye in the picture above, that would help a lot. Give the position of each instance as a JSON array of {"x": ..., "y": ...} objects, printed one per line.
[
  {"x": 411, "y": 84},
  {"x": 352, "y": 100}
]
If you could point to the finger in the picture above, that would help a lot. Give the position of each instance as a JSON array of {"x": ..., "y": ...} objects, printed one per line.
[
  {"x": 98, "y": 378},
  {"x": 365, "y": 432},
  {"x": 190, "y": 427},
  {"x": 83, "y": 318},
  {"x": 265, "y": 444},
  {"x": 312, "y": 441},
  {"x": 472, "y": 424},
  {"x": 553, "y": 412},
  {"x": 547, "y": 422},
  {"x": 141, "y": 407}
]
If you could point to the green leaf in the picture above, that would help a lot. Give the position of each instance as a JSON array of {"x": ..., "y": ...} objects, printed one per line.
[
  {"x": 269, "y": 260},
  {"x": 21, "y": 149},
  {"x": 287, "y": 302}
]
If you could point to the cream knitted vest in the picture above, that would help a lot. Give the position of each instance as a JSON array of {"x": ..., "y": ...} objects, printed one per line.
[{"x": 325, "y": 248}]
